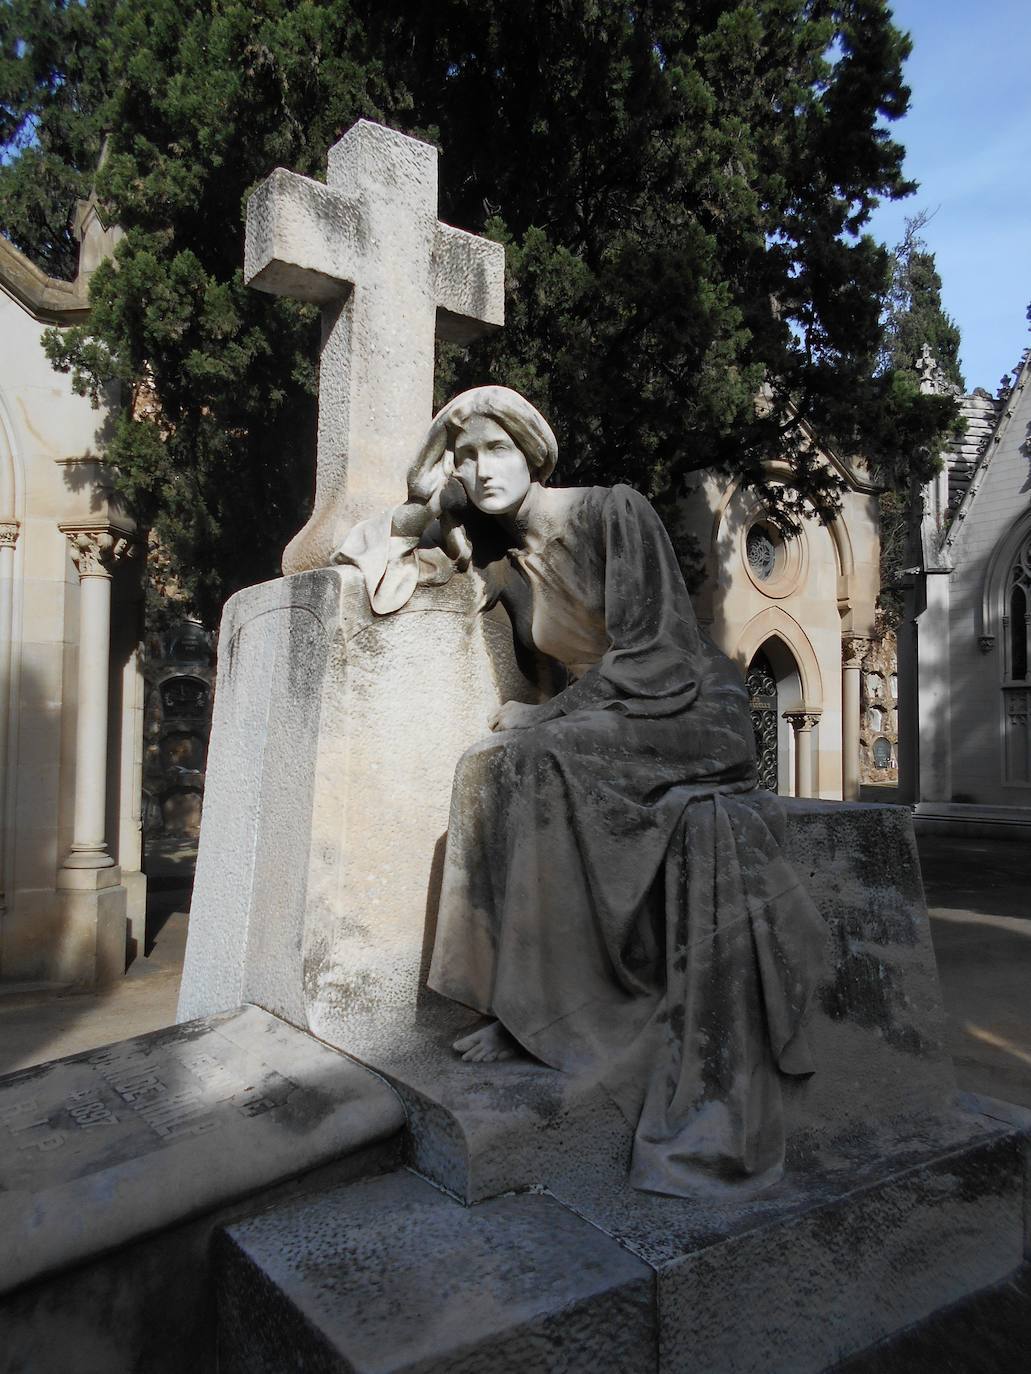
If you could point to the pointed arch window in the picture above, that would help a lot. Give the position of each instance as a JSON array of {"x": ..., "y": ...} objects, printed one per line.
[
  {"x": 1019, "y": 612},
  {"x": 1017, "y": 688}
]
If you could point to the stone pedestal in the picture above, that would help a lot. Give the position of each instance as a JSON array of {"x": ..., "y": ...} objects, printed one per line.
[
  {"x": 333, "y": 746},
  {"x": 90, "y": 938}
]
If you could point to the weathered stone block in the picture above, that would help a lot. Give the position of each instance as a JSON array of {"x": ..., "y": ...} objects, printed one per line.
[
  {"x": 333, "y": 746},
  {"x": 392, "y": 1275},
  {"x": 90, "y": 948},
  {"x": 838, "y": 1276},
  {"x": 106, "y": 1147},
  {"x": 878, "y": 1024}
]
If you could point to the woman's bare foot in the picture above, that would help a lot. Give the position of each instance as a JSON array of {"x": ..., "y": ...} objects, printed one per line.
[{"x": 486, "y": 1045}]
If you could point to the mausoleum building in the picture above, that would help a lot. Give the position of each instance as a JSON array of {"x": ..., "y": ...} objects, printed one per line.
[
  {"x": 963, "y": 649},
  {"x": 797, "y": 614},
  {"x": 71, "y": 699}
]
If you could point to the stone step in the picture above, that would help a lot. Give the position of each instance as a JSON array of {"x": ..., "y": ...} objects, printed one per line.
[
  {"x": 116, "y": 1166},
  {"x": 393, "y": 1276}
]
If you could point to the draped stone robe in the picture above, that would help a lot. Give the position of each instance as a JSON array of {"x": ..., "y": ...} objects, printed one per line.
[{"x": 614, "y": 889}]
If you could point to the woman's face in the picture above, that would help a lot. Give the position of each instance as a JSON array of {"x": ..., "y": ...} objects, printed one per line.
[{"x": 491, "y": 467}]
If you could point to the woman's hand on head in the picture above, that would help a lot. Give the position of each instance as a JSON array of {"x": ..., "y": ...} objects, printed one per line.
[
  {"x": 430, "y": 471},
  {"x": 514, "y": 715}
]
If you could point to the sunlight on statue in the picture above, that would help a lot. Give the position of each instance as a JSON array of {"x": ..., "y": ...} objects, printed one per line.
[{"x": 615, "y": 897}]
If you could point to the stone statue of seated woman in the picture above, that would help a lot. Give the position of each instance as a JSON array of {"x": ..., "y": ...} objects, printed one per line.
[{"x": 615, "y": 899}]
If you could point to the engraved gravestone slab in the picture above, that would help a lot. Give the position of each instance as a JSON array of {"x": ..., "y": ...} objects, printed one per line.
[{"x": 116, "y": 1143}]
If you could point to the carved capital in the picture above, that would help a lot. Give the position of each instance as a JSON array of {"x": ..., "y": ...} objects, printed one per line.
[
  {"x": 802, "y": 720},
  {"x": 853, "y": 650},
  {"x": 8, "y": 533},
  {"x": 96, "y": 549},
  {"x": 986, "y": 643}
]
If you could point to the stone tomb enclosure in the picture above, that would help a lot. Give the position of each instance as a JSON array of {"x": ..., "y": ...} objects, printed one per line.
[{"x": 898, "y": 1200}]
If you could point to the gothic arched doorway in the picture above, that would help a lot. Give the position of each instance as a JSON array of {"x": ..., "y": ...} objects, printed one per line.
[
  {"x": 762, "y": 703},
  {"x": 774, "y": 686}
]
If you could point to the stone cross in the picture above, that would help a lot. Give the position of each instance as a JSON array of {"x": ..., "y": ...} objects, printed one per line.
[{"x": 369, "y": 249}]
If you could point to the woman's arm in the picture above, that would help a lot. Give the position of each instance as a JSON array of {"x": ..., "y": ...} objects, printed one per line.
[{"x": 655, "y": 656}]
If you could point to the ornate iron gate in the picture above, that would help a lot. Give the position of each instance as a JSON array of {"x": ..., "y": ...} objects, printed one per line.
[{"x": 762, "y": 702}]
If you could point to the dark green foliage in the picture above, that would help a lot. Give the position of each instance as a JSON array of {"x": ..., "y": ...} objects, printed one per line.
[
  {"x": 681, "y": 188},
  {"x": 55, "y": 78},
  {"x": 922, "y": 424},
  {"x": 915, "y": 315}
]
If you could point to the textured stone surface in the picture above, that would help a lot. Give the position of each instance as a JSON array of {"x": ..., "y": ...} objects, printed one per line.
[
  {"x": 103, "y": 1148},
  {"x": 1010, "y": 1114},
  {"x": 878, "y": 1024},
  {"x": 837, "y": 1277},
  {"x": 373, "y": 226},
  {"x": 147, "y": 1307},
  {"x": 392, "y": 1275},
  {"x": 333, "y": 746},
  {"x": 986, "y": 1333}
]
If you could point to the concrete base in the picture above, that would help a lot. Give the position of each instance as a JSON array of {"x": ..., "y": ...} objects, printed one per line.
[
  {"x": 393, "y": 1275},
  {"x": 91, "y": 945}
]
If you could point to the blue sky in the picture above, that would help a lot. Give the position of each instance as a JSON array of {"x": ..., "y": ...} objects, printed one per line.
[{"x": 968, "y": 142}]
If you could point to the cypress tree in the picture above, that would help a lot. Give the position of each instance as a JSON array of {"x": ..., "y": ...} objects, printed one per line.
[{"x": 682, "y": 190}]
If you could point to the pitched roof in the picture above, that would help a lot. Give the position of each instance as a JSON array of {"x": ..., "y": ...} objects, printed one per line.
[{"x": 970, "y": 457}]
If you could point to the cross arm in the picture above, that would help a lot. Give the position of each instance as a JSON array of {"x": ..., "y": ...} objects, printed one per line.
[
  {"x": 304, "y": 240},
  {"x": 468, "y": 284}
]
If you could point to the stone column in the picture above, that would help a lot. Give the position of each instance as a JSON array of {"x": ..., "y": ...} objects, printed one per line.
[
  {"x": 94, "y": 551},
  {"x": 851, "y": 667},
  {"x": 94, "y": 931},
  {"x": 8, "y": 539},
  {"x": 802, "y": 722},
  {"x": 934, "y": 689}
]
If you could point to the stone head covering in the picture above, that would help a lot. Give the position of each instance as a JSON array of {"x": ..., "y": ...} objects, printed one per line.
[
  {"x": 387, "y": 547},
  {"x": 524, "y": 424}
]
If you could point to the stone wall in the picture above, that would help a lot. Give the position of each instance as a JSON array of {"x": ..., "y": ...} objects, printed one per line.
[{"x": 879, "y": 713}]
